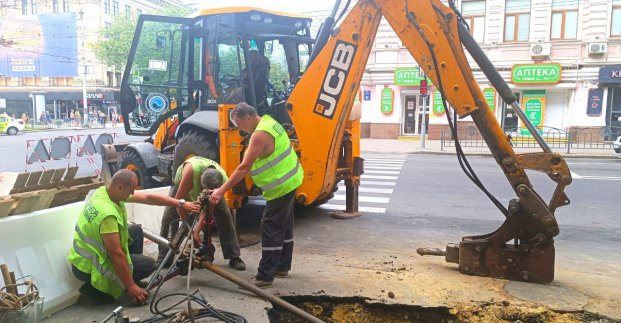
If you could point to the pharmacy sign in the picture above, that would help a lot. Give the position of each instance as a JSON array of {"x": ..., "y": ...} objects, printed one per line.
[{"x": 536, "y": 73}]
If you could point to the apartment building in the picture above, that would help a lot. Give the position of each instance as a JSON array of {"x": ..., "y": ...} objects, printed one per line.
[
  {"x": 562, "y": 58},
  {"x": 46, "y": 52}
]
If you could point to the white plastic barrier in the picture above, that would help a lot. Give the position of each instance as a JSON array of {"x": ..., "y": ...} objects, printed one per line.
[
  {"x": 37, "y": 244},
  {"x": 7, "y": 180}
]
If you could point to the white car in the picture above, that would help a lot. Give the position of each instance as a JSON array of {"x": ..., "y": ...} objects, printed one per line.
[
  {"x": 9, "y": 125},
  {"x": 617, "y": 145}
]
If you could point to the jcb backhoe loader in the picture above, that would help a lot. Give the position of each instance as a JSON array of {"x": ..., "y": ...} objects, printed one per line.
[{"x": 193, "y": 72}]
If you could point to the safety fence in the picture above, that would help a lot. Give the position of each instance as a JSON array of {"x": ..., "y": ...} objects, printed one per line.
[
  {"x": 70, "y": 124},
  {"x": 66, "y": 148},
  {"x": 581, "y": 138}
]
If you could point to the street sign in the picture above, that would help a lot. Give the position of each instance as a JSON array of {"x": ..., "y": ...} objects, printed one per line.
[{"x": 386, "y": 100}]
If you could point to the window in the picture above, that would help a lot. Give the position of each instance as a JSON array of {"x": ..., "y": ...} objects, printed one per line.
[
  {"x": 55, "y": 8},
  {"x": 615, "y": 28},
  {"x": 106, "y": 5},
  {"x": 564, "y": 19},
  {"x": 138, "y": 12},
  {"x": 65, "y": 5},
  {"x": 474, "y": 14},
  {"x": 33, "y": 7},
  {"x": 115, "y": 7},
  {"x": 24, "y": 7},
  {"x": 108, "y": 24},
  {"x": 517, "y": 20},
  {"x": 128, "y": 12}
]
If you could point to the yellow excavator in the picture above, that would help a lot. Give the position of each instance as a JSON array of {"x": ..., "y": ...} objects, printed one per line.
[{"x": 184, "y": 75}]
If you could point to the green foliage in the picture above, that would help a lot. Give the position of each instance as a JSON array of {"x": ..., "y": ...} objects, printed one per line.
[{"x": 114, "y": 42}]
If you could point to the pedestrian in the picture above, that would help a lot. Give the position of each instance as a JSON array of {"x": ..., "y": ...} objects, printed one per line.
[
  {"x": 107, "y": 251},
  {"x": 25, "y": 118},
  {"x": 72, "y": 117},
  {"x": 114, "y": 119},
  {"x": 194, "y": 175},
  {"x": 276, "y": 170},
  {"x": 78, "y": 118}
]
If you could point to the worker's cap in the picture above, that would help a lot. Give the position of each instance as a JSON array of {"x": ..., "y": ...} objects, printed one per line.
[{"x": 211, "y": 178}]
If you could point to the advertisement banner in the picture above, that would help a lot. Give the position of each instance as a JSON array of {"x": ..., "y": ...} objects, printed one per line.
[
  {"x": 39, "y": 45},
  {"x": 438, "y": 106},
  {"x": 548, "y": 73},
  {"x": 534, "y": 104},
  {"x": 386, "y": 100},
  {"x": 490, "y": 97}
]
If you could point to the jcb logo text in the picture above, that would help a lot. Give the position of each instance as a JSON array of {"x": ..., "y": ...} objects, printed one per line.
[{"x": 332, "y": 86}]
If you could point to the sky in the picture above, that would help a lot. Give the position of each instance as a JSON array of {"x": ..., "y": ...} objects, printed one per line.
[{"x": 290, "y": 6}]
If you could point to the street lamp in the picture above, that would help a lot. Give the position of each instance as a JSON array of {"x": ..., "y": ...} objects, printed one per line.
[{"x": 84, "y": 100}]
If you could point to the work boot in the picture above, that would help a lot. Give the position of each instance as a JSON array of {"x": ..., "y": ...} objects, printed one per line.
[
  {"x": 281, "y": 274},
  {"x": 259, "y": 283},
  {"x": 95, "y": 296},
  {"x": 237, "y": 264}
]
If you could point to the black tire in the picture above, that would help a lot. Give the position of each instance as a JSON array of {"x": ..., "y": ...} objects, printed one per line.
[
  {"x": 195, "y": 143},
  {"x": 133, "y": 162},
  {"x": 11, "y": 131},
  {"x": 322, "y": 201}
]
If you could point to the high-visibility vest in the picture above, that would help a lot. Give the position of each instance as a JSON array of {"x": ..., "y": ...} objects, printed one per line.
[
  {"x": 199, "y": 165},
  {"x": 280, "y": 172},
  {"x": 89, "y": 253}
]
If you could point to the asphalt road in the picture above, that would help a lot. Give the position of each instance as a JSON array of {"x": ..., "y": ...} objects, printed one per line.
[{"x": 14, "y": 151}]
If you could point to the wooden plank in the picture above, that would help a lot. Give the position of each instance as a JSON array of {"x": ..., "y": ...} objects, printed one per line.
[
  {"x": 58, "y": 174},
  {"x": 21, "y": 180},
  {"x": 6, "y": 205},
  {"x": 71, "y": 171},
  {"x": 59, "y": 185},
  {"x": 34, "y": 178},
  {"x": 32, "y": 201},
  {"x": 73, "y": 194},
  {"x": 47, "y": 176}
]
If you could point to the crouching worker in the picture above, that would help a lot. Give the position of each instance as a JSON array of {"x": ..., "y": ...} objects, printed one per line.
[
  {"x": 194, "y": 175},
  {"x": 107, "y": 251}
]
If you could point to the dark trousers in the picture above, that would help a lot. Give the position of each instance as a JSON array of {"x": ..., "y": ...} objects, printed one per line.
[
  {"x": 143, "y": 266},
  {"x": 276, "y": 237},
  {"x": 224, "y": 222}
]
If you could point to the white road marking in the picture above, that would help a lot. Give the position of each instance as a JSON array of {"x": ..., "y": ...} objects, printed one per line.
[
  {"x": 378, "y": 183},
  {"x": 382, "y": 167},
  {"x": 379, "y": 177},
  {"x": 369, "y": 189},
  {"x": 360, "y": 208},
  {"x": 384, "y": 162},
  {"x": 603, "y": 178},
  {"x": 368, "y": 199},
  {"x": 575, "y": 175},
  {"x": 387, "y": 172}
]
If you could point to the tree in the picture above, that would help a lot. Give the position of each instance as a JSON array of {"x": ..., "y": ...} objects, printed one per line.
[{"x": 115, "y": 41}]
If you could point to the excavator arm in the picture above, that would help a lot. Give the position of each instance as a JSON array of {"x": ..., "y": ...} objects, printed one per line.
[{"x": 523, "y": 247}]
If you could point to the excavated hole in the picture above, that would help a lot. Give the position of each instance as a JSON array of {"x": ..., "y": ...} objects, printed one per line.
[{"x": 357, "y": 309}]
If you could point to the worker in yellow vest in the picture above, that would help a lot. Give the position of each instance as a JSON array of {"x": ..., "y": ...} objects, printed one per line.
[
  {"x": 194, "y": 175},
  {"x": 107, "y": 252},
  {"x": 276, "y": 170}
]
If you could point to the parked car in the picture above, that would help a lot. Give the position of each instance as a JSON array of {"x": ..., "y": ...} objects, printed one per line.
[
  {"x": 617, "y": 146},
  {"x": 9, "y": 125}
]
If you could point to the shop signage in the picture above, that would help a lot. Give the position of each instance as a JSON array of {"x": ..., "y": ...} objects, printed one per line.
[
  {"x": 536, "y": 73},
  {"x": 610, "y": 74},
  {"x": 534, "y": 103},
  {"x": 594, "y": 104},
  {"x": 386, "y": 100},
  {"x": 408, "y": 76},
  {"x": 95, "y": 96},
  {"x": 490, "y": 97},
  {"x": 367, "y": 95},
  {"x": 438, "y": 107}
]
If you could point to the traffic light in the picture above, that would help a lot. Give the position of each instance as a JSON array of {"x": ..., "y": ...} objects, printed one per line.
[{"x": 423, "y": 86}]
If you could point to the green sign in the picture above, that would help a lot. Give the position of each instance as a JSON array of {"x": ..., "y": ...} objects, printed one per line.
[
  {"x": 536, "y": 73},
  {"x": 490, "y": 97},
  {"x": 534, "y": 103},
  {"x": 407, "y": 76},
  {"x": 386, "y": 100},
  {"x": 438, "y": 107}
]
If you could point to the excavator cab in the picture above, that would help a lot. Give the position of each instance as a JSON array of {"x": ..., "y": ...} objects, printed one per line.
[{"x": 179, "y": 66}]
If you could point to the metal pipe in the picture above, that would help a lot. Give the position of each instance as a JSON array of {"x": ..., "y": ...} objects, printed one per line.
[
  {"x": 155, "y": 238},
  {"x": 259, "y": 292}
]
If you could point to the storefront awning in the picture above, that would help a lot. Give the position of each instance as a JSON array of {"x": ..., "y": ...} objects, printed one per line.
[{"x": 610, "y": 74}]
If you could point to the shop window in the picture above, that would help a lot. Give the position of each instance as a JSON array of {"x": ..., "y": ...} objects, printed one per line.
[
  {"x": 474, "y": 14},
  {"x": 564, "y": 20},
  {"x": 615, "y": 27},
  {"x": 613, "y": 114},
  {"x": 517, "y": 20}
]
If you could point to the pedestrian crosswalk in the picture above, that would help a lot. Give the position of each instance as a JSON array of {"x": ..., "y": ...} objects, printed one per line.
[{"x": 381, "y": 173}]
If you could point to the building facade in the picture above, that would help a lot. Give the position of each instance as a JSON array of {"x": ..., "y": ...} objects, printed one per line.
[
  {"x": 562, "y": 58},
  {"x": 46, "y": 52}
]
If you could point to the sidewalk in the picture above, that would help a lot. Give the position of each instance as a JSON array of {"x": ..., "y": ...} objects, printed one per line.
[{"x": 407, "y": 146}]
